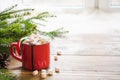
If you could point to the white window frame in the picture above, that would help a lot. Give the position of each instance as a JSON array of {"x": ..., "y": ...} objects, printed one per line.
[{"x": 89, "y": 4}]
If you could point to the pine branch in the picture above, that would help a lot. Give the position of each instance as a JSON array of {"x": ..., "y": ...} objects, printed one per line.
[
  {"x": 17, "y": 20},
  {"x": 16, "y": 11},
  {"x": 17, "y": 29},
  {"x": 54, "y": 33},
  {"x": 9, "y": 13},
  {"x": 14, "y": 26},
  {"x": 2, "y": 23},
  {"x": 42, "y": 16},
  {"x": 15, "y": 15},
  {"x": 8, "y": 9},
  {"x": 5, "y": 75},
  {"x": 4, "y": 17},
  {"x": 20, "y": 14}
]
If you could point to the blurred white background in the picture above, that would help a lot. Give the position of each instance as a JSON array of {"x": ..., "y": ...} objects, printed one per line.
[{"x": 77, "y": 16}]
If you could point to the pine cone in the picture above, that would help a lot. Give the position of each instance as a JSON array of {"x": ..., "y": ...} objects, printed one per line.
[{"x": 3, "y": 60}]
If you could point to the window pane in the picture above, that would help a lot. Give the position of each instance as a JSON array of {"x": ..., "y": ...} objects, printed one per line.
[
  {"x": 69, "y": 2},
  {"x": 115, "y": 3},
  {"x": 59, "y": 3}
]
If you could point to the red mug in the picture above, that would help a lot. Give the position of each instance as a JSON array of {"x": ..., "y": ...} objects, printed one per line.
[{"x": 33, "y": 57}]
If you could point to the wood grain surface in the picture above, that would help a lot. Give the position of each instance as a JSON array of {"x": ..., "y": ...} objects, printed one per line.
[{"x": 84, "y": 57}]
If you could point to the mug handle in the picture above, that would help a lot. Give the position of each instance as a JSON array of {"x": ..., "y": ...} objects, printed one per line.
[{"x": 15, "y": 50}]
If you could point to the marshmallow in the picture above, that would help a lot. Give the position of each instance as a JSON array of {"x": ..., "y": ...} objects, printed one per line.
[
  {"x": 55, "y": 57},
  {"x": 35, "y": 72},
  {"x": 50, "y": 72},
  {"x": 43, "y": 74},
  {"x": 35, "y": 40},
  {"x": 59, "y": 53},
  {"x": 57, "y": 70}
]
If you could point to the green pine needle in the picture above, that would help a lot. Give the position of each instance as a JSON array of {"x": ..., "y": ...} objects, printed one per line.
[
  {"x": 8, "y": 9},
  {"x": 16, "y": 11},
  {"x": 5, "y": 75},
  {"x": 14, "y": 25},
  {"x": 54, "y": 33}
]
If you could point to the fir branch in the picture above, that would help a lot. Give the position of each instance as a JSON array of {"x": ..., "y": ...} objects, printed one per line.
[
  {"x": 8, "y": 9},
  {"x": 5, "y": 75},
  {"x": 15, "y": 15},
  {"x": 16, "y": 11},
  {"x": 8, "y": 40},
  {"x": 54, "y": 33},
  {"x": 42, "y": 16},
  {"x": 14, "y": 26},
  {"x": 2, "y": 23},
  {"x": 17, "y": 20},
  {"x": 4, "y": 17},
  {"x": 20, "y": 15},
  {"x": 45, "y": 15}
]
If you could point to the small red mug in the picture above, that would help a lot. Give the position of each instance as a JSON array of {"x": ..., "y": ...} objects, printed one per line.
[{"x": 33, "y": 57}]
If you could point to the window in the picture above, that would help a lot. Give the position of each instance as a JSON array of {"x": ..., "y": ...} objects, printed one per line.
[
  {"x": 56, "y": 3},
  {"x": 70, "y": 3},
  {"x": 98, "y": 4},
  {"x": 115, "y": 3}
]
